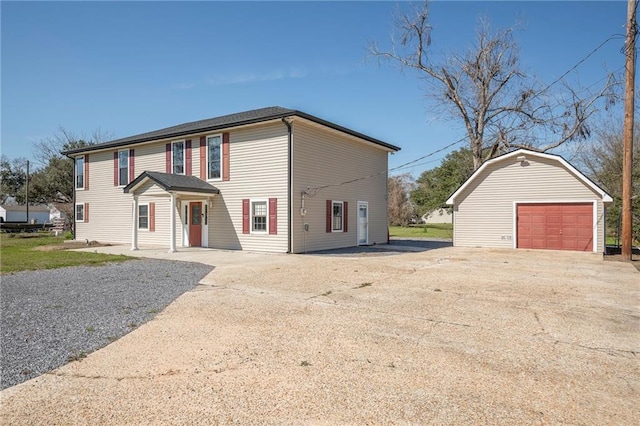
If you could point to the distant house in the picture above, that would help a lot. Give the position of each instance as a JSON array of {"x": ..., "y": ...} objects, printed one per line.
[
  {"x": 60, "y": 210},
  {"x": 272, "y": 179},
  {"x": 527, "y": 199},
  {"x": 442, "y": 215},
  {"x": 18, "y": 213}
]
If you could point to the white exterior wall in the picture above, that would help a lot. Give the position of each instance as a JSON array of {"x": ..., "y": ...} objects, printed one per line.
[
  {"x": 21, "y": 216},
  {"x": 321, "y": 157},
  {"x": 438, "y": 216},
  {"x": 484, "y": 213}
]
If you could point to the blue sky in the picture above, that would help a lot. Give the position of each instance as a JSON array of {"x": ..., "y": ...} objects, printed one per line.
[{"x": 132, "y": 67}]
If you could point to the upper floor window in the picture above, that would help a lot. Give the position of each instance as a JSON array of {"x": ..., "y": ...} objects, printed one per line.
[
  {"x": 214, "y": 157},
  {"x": 337, "y": 222},
  {"x": 177, "y": 158},
  {"x": 123, "y": 167},
  {"x": 80, "y": 172}
]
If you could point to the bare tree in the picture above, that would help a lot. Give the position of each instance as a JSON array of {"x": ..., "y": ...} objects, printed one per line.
[
  {"x": 52, "y": 182},
  {"x": 602, "y": 160},
  {"x": 400, "y": 208},
  {"x": 51, "y": 147},
  {"x": 500, "y": 105}
]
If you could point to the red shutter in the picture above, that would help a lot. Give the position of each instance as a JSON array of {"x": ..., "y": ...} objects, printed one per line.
[
  {"x": 115, "y": 168},
  {"x": 329, "y": 215},
  {"x": 132, "y": 165},
  {"x": 86, "y": 171},
  {"x": 152, "y": 217},
  {"x": 245, "y": 216},
  {"x": 188, "y": 158},
  {"x": 345, "y": 217},
  {"x": 167, "y": 157},
  {"x": 203, "y": 158},
  {"x": 86, "y": 212},
  {"x": 273, "y": 216},
  {"x": 225, "y": 156}
]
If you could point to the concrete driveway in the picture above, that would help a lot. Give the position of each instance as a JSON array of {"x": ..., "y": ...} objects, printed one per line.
[{"x": 446, "y": 336}]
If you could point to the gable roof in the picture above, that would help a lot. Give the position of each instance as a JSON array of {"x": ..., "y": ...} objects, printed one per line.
[
  {"x": 225, "y": 121},
  {"x": 588, "y": 182},
  {"x": 171, "y": 182},
  {"x": 23, "y": 208}
]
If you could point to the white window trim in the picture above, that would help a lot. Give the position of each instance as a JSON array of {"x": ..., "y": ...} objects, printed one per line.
[
  {"x": 75, "y": 213},
  {"x": 75, "y": 173},
  {"x": 138, "y": 217},
  {"x": 221, "y": 155},
  {"x": 358, "y": 204},
  {"x": 184, "y": 156},
  {"x": 120, "y": 185},
  {"x": 251, "y": 230},
  {"x": 332, "y": 217}
]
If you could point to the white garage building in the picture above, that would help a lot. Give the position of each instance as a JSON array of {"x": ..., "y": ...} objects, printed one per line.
[{"x": 527, "y": 199}]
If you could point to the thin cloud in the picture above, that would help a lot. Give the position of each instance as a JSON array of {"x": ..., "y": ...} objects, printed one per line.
[{"x": 243, "y": 78}]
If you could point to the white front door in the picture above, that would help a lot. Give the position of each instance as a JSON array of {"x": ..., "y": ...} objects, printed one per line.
[{"x": 363, "y": 223}]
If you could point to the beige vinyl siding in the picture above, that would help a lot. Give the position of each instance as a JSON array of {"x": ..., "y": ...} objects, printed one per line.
[
  {"x": 150, "y": 157},
  {"x": 484, "y": 213},
  {"x": 149, "y": 192},
  {"x": 109, "y": 208},
  {"x": 258, "y": 170},
  {"x": 325, "y": 157}
]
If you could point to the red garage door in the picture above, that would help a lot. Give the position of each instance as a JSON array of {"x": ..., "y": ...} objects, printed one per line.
[{"x": 555, "y": 226}]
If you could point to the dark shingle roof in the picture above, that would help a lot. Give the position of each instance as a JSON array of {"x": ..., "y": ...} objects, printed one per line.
[
  {"x": 170, "y": 182},
  {"x": 217, "y": 123}
]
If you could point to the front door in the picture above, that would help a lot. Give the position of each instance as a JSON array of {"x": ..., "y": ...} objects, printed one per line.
[
  {"x": 195, "y": 225},
  {"x": 363, "y": 223}
]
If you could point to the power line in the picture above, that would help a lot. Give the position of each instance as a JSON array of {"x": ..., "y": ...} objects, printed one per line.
[
  {"x": 312, "y": 191},
  {"x": 401, "y": 166},
  {"x": 580, "y": 62}
]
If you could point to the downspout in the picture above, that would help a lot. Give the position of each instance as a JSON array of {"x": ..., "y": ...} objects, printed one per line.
[
  {"x": 289, "y": 182},
  {"x": 73, "y": 179}
]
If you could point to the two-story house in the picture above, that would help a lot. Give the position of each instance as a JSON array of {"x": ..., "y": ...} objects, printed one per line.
[{"x": 272, "y": 179}]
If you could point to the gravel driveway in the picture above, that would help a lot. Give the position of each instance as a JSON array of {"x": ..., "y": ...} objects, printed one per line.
[
  {"x": 51, "y": 317},
  {"x": 450, "y": 336}
]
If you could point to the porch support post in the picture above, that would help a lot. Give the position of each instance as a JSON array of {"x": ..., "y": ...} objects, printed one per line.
[
  {"x": 172, "y": 225},
  {"x": 134, "y": 224}
]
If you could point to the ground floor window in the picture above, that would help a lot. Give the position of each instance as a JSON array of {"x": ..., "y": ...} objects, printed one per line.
[
  {"x": 337, "y": 216},
  {"x": 143, "y": 216},
  {"x": 79, "y": 212},
  {"x": 259, "y": 216}
]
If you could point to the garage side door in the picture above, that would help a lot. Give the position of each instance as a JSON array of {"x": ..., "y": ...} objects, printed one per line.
[{"x": 555, "y": 226}]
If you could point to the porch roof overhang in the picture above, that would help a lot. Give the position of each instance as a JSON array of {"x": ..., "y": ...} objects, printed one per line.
[{"x": 173, "y": 183}]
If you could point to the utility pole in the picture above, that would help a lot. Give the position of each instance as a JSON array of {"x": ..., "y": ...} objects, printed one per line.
[
  {"x": 627, "y": 159},
  {"x": 26, "y": 197}
]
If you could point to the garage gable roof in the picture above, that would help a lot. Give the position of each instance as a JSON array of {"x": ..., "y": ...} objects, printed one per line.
[{"x": 525, "y": 152}]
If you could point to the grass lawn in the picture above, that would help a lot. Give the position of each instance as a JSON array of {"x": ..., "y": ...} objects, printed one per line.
[
  {"x": 17, "y": 254},
  {"x": 432, "y": 230}
]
